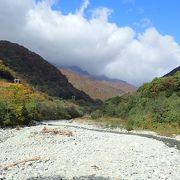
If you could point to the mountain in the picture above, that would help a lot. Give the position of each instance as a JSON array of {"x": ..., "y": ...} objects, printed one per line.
[
  {"x": 172, "y": 72},
  {"x": 37, "y": 72},
  {"x": 79, "y": 71},
  {"x": 75, "y": 69},
  {"x": 97, "y": 87}
]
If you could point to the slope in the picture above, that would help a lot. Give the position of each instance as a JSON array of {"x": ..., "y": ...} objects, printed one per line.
[
  {"x": 96, "y": 86},
  {"x": 156, "y": 104},
  {"x": 37, "y": 72},
  {"x": 172, "y": 72},
  {"x": 20, "y": 104}
]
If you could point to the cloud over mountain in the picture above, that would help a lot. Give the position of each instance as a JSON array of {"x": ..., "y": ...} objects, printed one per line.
[{"x": 93, "y": 43}]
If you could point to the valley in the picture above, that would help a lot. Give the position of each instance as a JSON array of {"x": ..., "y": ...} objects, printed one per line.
[
  {"x": 46, "y": 93},
  {"x": 89, "y": 90},
  {"x": 67, "y": 124}
]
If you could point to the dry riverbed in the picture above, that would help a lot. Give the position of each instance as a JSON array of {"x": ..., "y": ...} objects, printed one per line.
[{"x": 63, "y": 150}]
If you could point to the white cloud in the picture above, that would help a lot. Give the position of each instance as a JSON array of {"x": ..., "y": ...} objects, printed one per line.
[
  {"x": 143, "y": 23},
  {"x": 148, "y": 56},
  {"x": 83, "y": 7},
  {"x": 13, "y": 17},
  {"x": 102, "y": 14},
  {"x": 94, "y": 44}
]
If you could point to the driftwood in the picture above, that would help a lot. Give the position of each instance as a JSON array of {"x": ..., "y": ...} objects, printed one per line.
[
  {"x": 21, "y": 162},
  {"x": 56, "y": 131}
]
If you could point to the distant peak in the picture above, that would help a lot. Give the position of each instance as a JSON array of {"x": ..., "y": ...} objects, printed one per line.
[
  {"x": 76, "y": 69},
  {"x": 79, "y": 71}
]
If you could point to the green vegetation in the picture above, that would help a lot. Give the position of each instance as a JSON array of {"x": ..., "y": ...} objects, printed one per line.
[
  {"x": 155, "y": 106},
  {"x": 19, "y": 105},
  {"x": 41, "y": 94},
  {"x": 6, "y": 73}
]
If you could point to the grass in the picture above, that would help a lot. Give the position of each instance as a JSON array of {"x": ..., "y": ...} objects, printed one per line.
[
  {"x": 155, "y": 106},
  {"x": 166, "y": 129},
  {"x": 162, "y": 129}
]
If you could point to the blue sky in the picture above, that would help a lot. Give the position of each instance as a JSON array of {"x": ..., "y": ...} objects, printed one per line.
[
  {"x": 164, "y": 15},
  {"x": 139, "y": 40}
]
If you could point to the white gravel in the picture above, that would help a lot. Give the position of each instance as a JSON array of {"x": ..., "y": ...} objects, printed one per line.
[{"x": 85, "y": 155}]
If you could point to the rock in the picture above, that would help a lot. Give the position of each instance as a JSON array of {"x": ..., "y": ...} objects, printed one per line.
[
  {"x": 109, "y": 156},
  {"x": 177, "y": 137}
]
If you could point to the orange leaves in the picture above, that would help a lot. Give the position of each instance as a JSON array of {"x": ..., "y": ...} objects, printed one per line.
[{"x": 18, "y": 93}]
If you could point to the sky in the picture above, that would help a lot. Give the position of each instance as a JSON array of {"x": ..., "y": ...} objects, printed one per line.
[
  {"x": 131, "y": 40},
  {"x": 138, "y": 14}
]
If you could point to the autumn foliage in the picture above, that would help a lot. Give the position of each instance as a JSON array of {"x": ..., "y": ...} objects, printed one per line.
[{"x": 19, "y": 105}]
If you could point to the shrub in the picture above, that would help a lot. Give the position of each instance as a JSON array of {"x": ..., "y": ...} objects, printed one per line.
[
  {"x": 75, "y": 111},
  {"x": 130, "y": 125},
  {"x": 5, "y": 72},
  {"x": 19, "y": 105},
  {"x": 154, "y": 103},
  {"x": 96, "y": 114}
]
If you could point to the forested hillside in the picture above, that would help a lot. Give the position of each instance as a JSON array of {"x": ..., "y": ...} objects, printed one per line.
[
  {"x": 19, "y": 105},
  {"x": 37, "y": 72},
  {"x": 154, "y": 104}
]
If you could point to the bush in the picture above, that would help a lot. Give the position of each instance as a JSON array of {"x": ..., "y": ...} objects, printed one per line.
[
  {"x": 154, "y": 103},
  {"x": 130, "y": 125},
  {"x": 19, "y": 105},
  {"x": 5, "y": 72},
  {"x": 96, "y": 114},
  {"x": 75, "y": 111}
]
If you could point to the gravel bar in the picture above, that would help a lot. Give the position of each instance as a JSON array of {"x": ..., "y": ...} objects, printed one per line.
[{"x": 90, "y": 153}]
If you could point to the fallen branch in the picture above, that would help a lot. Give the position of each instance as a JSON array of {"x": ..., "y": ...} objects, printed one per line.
[{"x": 21, "y": 162}]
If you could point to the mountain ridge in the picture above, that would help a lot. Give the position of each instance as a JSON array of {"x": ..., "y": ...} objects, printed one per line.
[
  {"x": 37, "y": 72},
  {"x": 80, "y": 71},
  {"x": 172, "y": 72},
  {"x": 96, "y": 86}
]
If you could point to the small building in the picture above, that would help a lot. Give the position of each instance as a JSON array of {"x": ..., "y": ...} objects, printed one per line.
[
  {"x": 17, "y": 81},
  {"x": 74, "y": 98}
]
